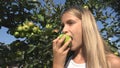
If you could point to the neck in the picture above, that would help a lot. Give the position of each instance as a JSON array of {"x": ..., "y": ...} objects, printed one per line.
[{"x": 79, "y": 56}]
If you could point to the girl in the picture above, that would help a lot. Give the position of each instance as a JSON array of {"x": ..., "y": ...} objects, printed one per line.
[{"x": 88, "y": 48}]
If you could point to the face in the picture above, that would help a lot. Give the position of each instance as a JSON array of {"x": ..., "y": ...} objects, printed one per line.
[{"x": 72, "y": 27}]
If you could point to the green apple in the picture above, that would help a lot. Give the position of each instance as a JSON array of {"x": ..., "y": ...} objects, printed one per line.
[
  {"x": 35, "y": 29},
  {"x": 19, "y": 28},
  {"x": 67, "y": 38},
  {"x": 25, "y": 27},
  {"x": 30, "y": 24},
  {"x": 16, "y": 34},
  {"x": 86, "y": 7},
  {"x": 22, "y": 34}
]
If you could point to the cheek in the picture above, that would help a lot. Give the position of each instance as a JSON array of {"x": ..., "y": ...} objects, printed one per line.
[
  {"x": 78, "y": 34},
  {"x": 77, "y": 40}
]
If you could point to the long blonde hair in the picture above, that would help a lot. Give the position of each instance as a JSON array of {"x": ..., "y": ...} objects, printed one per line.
[{"x": 96, "y": 50}]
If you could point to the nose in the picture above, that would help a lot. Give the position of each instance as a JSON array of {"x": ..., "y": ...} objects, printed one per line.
[{"x": 65, "y": 29}]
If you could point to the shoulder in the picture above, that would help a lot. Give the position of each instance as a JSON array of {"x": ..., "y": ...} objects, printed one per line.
[{"x": 114, "y": 61}]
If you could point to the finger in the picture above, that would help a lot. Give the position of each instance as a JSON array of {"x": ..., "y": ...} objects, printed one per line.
[
  {"x": 55, "y": 42},
  {"x": 66, "y": 45},
  {"x": 60, "y": 41},
  {"x": 66, "y": 51}
]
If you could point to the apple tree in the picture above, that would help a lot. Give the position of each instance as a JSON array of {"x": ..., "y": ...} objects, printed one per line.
[{"x": 34, "y": 24}]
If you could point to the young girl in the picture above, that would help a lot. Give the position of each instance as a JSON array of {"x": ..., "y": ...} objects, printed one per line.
[{"x": 88, "y": 48}]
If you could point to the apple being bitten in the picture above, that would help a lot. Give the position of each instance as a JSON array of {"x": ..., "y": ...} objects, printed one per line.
[{"x": 67, "y": 38}]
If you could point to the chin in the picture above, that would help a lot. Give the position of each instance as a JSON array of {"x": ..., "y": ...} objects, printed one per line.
[{"x": 73, "y": 48}]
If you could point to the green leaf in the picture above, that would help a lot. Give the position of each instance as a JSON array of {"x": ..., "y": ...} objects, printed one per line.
[
  {"x": 41, "y": 17},
  {"x": 31, "y": 48}
]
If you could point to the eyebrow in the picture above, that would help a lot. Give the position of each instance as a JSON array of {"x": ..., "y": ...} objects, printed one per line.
[{"x": 70, "y": 21}]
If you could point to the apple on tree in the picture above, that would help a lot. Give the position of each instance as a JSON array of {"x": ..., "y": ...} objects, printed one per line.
[
  {"x": 20, "y": 28},
  {"x": 30, "y": 24},
  {"x": 16, "y": 34},
  {"x": 35, "y": 29},
  {"x": 26, "y": 28},
  {"x": 22, "y": 34}
]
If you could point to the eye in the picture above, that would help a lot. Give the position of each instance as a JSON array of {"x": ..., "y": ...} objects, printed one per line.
[{"x": 70, "y": 22}]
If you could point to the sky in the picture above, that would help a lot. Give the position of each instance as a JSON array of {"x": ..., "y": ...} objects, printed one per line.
[{"x": 4, "y": 37}]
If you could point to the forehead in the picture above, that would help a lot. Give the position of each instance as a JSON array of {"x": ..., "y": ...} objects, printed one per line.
[{"x": 69, "y": 16}]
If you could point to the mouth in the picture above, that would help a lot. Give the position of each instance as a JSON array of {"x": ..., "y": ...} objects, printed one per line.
[{"x": 71, "y": 37}]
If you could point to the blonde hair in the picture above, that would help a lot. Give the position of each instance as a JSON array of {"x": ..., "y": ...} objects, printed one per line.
[{"x": 96, "y": 50}]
